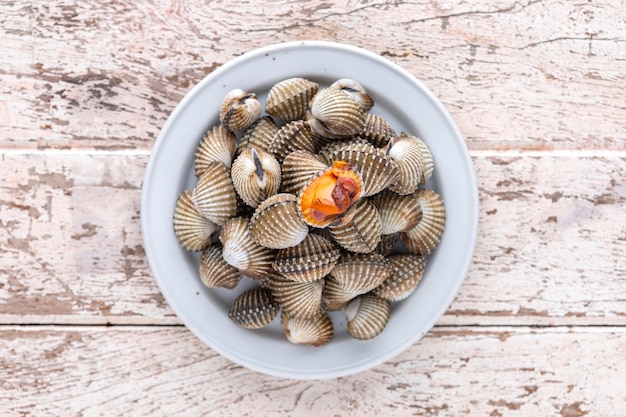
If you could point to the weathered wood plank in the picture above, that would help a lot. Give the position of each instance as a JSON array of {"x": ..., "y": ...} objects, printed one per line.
[
  {"x": 515, "y": 75},
  {"x": 550, "y": 245},
  {"x": 508, "y": 371}
]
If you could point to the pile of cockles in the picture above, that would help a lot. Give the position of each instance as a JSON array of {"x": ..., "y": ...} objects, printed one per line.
[{"x": 309, "y": 199}]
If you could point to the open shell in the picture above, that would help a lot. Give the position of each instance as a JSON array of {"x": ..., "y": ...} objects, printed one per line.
[
  {"x": 298, "y": 299},
  {"x": 310, "y": 260},
  {"x": 214, "y": 195},
  {"x": 217, "y": 145},
  {"x": 424, "y": 237},
  {"x": 367, "y": 316},
  {"x": 314, "y": 332},
  {"x": 334, "y": 114},
  {"x": 254, "y": 309},
  {"x": 298, "y": 169},
  {"x": 239, "y": 109},
  {"x": 289, "y": 99},
  {"x": 362, "y": 232},
  {"x": 192, "y": 230},
  {"x": 398, "y": 213},
  {"x": 276, "y": 223},
  {"x": 407, "y": 271},
  {"x": 256, "y": 176},
  {"x": 215, "y": 272},
  {"x": 360, "y": 273}
]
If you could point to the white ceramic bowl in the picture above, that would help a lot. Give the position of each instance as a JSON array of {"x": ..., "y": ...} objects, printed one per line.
[{"x": 400, "y": 98}]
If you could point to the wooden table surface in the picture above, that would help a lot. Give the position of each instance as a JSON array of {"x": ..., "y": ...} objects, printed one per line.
[{"x": 538, "y": 89}]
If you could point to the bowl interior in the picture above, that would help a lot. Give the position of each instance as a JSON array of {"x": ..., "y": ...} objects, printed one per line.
[{"x": 400, "y": 99}]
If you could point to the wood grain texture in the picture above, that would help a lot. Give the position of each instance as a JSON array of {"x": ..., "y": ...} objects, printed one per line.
[
  {"x": 510, "y": 371},
  {"x": 528, "y": 75},
  {"x": 549, "y": 249}
]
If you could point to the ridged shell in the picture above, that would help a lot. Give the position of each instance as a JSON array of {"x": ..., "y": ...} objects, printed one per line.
[
  {"x": 310, "y": 260},
  {"x": 377, "y": 130},
  {"x": 315, "y": 332},
  {"x": 330, "y": 148},
  {"x": 428, "y": 164},
  {"x": 387, "y": 243},
  {"x": 217, "y": 145},
  {"x": 276, "y": 223},
  {"x": 298, "y": 169},
  {"x": 239, "y": 109},
  {"x": 423, "y": 238},
  {"x": 377, "y": 169},
  {"x": 192, "y": 230},
  {"x": 407, "y": 152},
  {"x": 362, "y": 233},
  {"x": 289, "y": 99},
  {"x": 256, "y": 175},
  {"x": 335, "y": 296},
  {"x": 356, "y": 91},
  {"x": 259, "y": 135},
  {"x": 298, "y": 299},
  {"x": 398, "y": 213},
  {"x": 293, "y": 136},
  {"x": 214, "y": 195},
  {"x": 335, "y": 115},
  {"x": 407, "y": 271},
  {"x": 243, "y": 252},
  {"x": 215, "y": 272},
  {"x": 360, "y": 273},
  {"x": 254, "y": 309},
  {"x": 367, "y": 316}
]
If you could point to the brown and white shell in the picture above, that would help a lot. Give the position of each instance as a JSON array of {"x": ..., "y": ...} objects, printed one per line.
[
  {"x": 334, "y": 296},
  {"x": 215, "y": 272},
  {"x": 276, "y": 223},
  {"x": 243, "y": 252},
  {"x": 298, "y": 169},
  {"x": 310, "y": 260},
  {"x": 330, "y": 148},
  {"x": 314, "y": 332},
  {"x": 192, "y": 230},
  {"x": 407, "y": 152},
  {"x": 428, "y": 163},
  {"x": 214, "y": 195},
  {"x": 361, "y": 231},
  {"x": 254, "y": 309},
  {"x": 334, "y": 114},
  {"x": 360, "y": 273},
  {"x": 239, "y": 109},
  {"x": 398, "y": 213},
  {"x": 294, "y": 136},
  {"x": 356, "y": 91},
  {"x": 259, "y": 135},
  {"x": 423, "y": 238},
  {"x": 387, "y": 243},
  {"x": 256, "y": 175},
  {"x": 407, "y": 271},
  {"x": 217, "y": 145},
  {"x": 377, "y": 169},
  {"x": 377, "y": 130},
  {"x": 367, "y": 316},
  {"x": 289, "y": 99},
  {"x": 298, "y": 299}
]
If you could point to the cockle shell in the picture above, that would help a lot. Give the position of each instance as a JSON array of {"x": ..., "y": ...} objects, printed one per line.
[
  {"x": 259, "y": 135},
  {"x": 239, "y": 109},
  {"x": 298, "y": 169},
  {"x": 330, "y": 148},
  {"x": 428, "y": 163},
  {"x": 289, "y": 99},
  {"x": 215, "y": 272},
  {"x": 407, "y": 152},
  {"x": 214, "y": 195},
  {"x": 243, "y": 252},
  {"x": 362, "y": 232},
  {"x": 298, "y": 299},
  {"x": 377, "y": 130},
  {"x": 407, "y": 271},
  {"x": 387, "y": 243},
  {"x": 276, "y": 223},
  {"x": 335, "y": 115},
  {"x": 217, "y": 145},
  {"x": 367, "y": 316},
  {"x": 310, "y": 260},
  {"x": 192, "y": 230},
  {"x": 256, "y": 175},
  {"x": 360, "y": 273},
  {"x": 314, "y": 332},
  {"x": 329, "y": 195},
  {"x": 356, "y": 92},
  {"x": 424, "y": 237},
  {"x": 334, "y": 296},
  {"x": 254, "y": 309},
  {"x": 293, "y": 136},
  {"x": 377, "y": 169},
  {"x": 398, "y": 213}
]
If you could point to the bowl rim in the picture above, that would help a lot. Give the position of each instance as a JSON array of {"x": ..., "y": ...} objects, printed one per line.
[{"x": 274, "y": 49}]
